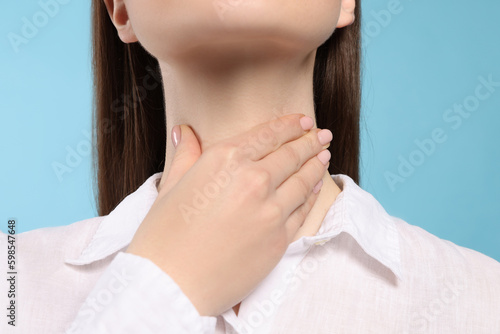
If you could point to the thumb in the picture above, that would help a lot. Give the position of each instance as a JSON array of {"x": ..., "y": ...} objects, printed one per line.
[{"x": 187, "y": 152}]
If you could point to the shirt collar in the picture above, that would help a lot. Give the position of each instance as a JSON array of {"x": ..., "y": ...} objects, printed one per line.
[
  {"x": 354, "y": 211},
  {"x": 117, "y": 229}
]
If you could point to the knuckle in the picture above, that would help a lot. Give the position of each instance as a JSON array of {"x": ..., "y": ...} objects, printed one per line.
[
  {"x": 273, "y": 213},
  {"x": 312, "y": 142},
  {"x": 268, "y": 136},
  {"x": 282, "y": 123},
  {"x": 226, "y": 151},
  {"x": 258, "y": 181},
  {"x": 306, "y": 207},
  {"x": 247, "y": 149},
  {"x": 292, "y": 156},
  {"x": 304, "y": 188},
  {"x": 293, "y": 120}
]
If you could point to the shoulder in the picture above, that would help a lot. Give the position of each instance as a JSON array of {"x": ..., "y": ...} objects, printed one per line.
[
  {"x": 56, "y": 243},
  {"x": 449, "y": 276},
  {"x": 50, "y": 291},
  {"x": 418, "y": 244}
]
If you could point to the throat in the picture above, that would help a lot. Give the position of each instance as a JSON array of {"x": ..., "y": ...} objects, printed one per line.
[
  {"x": 316, "y": 215},
  {"x": 313, "y": 221}
]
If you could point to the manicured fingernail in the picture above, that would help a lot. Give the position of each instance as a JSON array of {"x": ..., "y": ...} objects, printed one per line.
[
  {"x": 317, "y": 187},
  {"x": 306, "y": 122},
  {"x": 325, "y": 136},
  {"x": 176, "y": 135},
  {"x": 324, "y": 156}
]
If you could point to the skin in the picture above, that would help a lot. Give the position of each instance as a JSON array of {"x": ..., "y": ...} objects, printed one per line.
[{"x": 229, "y": 69}]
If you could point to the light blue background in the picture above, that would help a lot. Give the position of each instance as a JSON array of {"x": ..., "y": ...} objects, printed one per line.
[{"x": 418, "y": 63}]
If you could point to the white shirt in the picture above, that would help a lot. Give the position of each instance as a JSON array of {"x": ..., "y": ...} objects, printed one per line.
[{"x": 364, "y": 272}]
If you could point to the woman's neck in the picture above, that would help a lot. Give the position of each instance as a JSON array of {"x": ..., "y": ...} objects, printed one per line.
[{"x": 222, "y": 94}]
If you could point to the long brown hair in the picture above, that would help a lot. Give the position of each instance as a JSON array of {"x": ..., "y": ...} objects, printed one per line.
[{"x": 129, "y": 119}]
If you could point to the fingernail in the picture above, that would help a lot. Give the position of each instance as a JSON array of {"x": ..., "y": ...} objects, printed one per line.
[
  {"x": 306, "y": 122},
  {"x": 317, "y": 187},
  {"x": 176, "y": 135},
  {"x": 325, "y": 136},
  {"x": 324, "y": 156}
]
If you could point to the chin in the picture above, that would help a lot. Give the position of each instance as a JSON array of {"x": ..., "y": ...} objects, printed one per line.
[{"x": 184, "y": 29}]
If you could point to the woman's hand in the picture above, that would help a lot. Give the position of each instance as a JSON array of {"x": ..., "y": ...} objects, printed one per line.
[{"x": 221, "y": 227}]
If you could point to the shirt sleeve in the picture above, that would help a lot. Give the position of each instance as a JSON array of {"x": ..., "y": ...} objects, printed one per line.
[{"x": 133, "y": 295}]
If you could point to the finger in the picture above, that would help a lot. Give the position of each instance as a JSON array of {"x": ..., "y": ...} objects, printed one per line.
[
  {"x": 267, "y": 137},
  {"x": 187, "y": 152},
  {"x": 298, "y": 216},
  {"x": 290, "y": 157},
  {"x": 295, "y": 190}
]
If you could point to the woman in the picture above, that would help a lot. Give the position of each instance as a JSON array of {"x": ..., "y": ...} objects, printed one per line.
[{"x": 219, "y": 225}]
